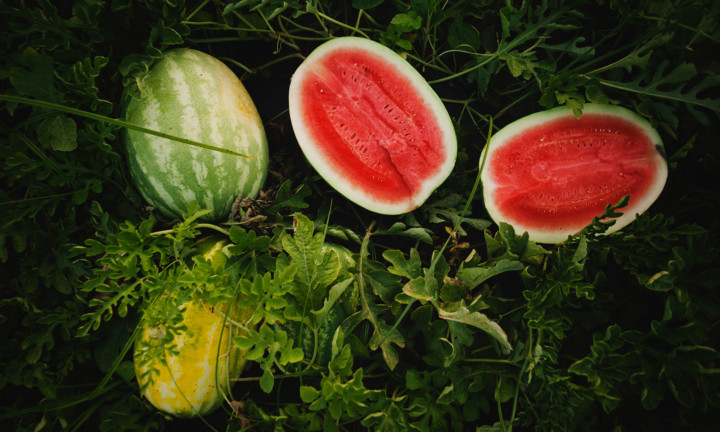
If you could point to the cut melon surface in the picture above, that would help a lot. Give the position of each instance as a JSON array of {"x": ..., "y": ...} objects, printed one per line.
[
  {"x": 371, "y": 125},
  {"x": 550, "y": 173}
]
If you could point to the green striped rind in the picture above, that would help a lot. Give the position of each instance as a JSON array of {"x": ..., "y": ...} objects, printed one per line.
[{"x": 193, "y": 95}]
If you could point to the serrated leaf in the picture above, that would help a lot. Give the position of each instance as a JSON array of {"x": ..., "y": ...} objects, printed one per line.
[
  {"x": 341, "y": 362},
  {"x": 410, "y": 268},
  {"x": 671, "y": 86},
  {"x": 327, "y": 270},
  {"x": 303, "y": 247},
  {"x": 383, "y": 338}
]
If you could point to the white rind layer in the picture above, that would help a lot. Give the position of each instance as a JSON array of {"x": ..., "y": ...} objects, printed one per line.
[
  {"x": 192, "y": 95},
  {"x": 520, "y": 126},
  {"x": 321, "y": 163}
]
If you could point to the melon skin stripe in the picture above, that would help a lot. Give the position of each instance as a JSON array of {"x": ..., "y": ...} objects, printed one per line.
[
  {"x": 193, "y": 95},
  {"x": 379, "y": 134},
  {"x": 549, "y": 173},
  {"x": 194, "y": 381},
  {"x": 202, "y": 360}
]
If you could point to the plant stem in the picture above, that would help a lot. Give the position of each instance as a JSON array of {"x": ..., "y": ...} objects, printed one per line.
[
  {"x": 519, "y": 378},
  {"x": 113, "y": 121}
]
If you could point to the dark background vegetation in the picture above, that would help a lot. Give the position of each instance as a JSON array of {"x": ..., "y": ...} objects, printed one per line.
[{"x": 626, "y": 338}]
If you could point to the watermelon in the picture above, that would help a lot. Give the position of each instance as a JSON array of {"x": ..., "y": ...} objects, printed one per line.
[
  {"x": 550, "y": 173},
  {"x": 193, "y": 95},
  {"x": 200, "y": 361},
  {"x": 370, "y": 125}
]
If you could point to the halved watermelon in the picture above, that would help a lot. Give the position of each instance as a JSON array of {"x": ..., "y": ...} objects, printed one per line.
[
  {"x": 551, "y": 173},
  {"x": 370, "y": 125}
]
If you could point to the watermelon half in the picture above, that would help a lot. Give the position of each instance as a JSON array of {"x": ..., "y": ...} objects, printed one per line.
[
  {"x": 371, "y": 125},
  {"x": 550, "y": 173},
  {"x": 192, "y": 95}
]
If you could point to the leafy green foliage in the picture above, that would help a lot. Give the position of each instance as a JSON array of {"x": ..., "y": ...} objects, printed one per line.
[{"x": 435, "y": 320}]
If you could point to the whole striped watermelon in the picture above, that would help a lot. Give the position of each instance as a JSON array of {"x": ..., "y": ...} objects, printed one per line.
[{"x": 192, "y": 95}]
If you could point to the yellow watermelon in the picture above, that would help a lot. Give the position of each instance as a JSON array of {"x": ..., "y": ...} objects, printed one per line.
[{"x": 199, "y": 373}]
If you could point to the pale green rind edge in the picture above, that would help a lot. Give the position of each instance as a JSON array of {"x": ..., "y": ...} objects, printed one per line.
[
  {"x": 505, "y": 135},
  {"x": 319, "y": 161}
]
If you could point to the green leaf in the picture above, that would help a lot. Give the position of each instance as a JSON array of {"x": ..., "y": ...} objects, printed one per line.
[
  {"x": 406, "y": 21},
  {"x": 474, "y": 276},
  {"x": 303, "y": 247},
  {"x": 672, "y": 85},
  {"x": 59, "y": 133},
  {"x": 384, "y": 338},
  {"x": 504, "y": 390},
  {"x": 417, "y": 233},
  {"x": 285, "y": 198},
  {"x": 415, "y": 380},
  {"x": 37, "y": 78},
  {"x": 336, "y": 291},
  {"x": 409, "y": 268},
  {"x": 308, "y": 394},
  {"x": 267, "y": 381},
  {"x": 481, "y": 321},
  {"x": 423, "y": 289},
  {"x": 463, "y": 35}
]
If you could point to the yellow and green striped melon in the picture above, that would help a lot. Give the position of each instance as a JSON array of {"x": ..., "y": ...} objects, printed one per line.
[
  {"x": 192, "y": 95},
  {"x": 198, "y": 375}
]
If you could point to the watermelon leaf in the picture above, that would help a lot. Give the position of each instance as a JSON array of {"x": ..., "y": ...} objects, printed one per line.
[
  {"x": 336, "y": 291},
  {"x": 384, "y": 336},
  {"x": 603, "y": 329},
  {"x": 472, "y": 277},
  {"x": 59, "y": 133},
  {"x": 423, "y": 289},
  {"x": 399, "y": 228},
  {"x": 672, "y": 85},
  {"x": 481, "y": 321},
  {"x": 410, "y": 268},
  {"x": 398, "y": 32}
]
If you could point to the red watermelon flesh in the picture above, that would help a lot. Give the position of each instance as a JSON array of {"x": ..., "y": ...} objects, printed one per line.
[
  {"x": 551, "y": 173},
  {"x": 370, "y": 125}
]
